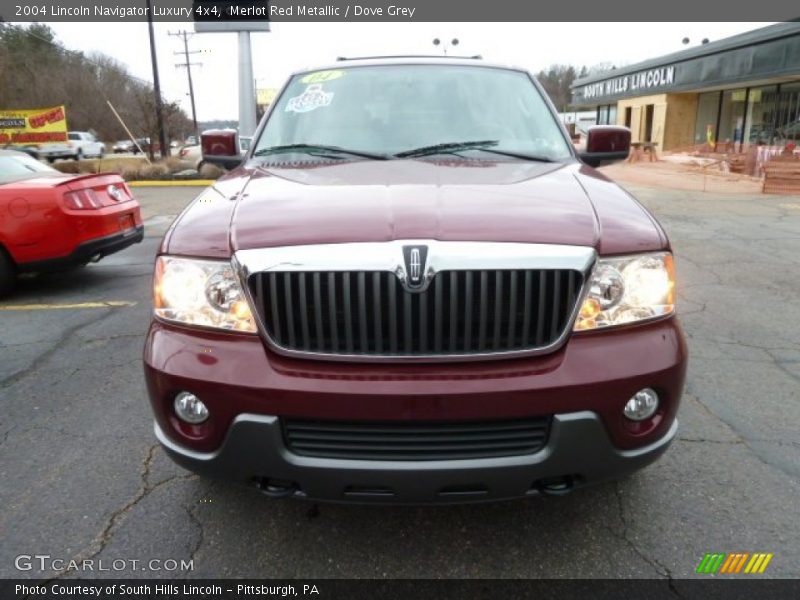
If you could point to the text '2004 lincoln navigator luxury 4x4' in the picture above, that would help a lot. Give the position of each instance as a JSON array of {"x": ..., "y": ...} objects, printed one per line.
[{"x": 414, "y": 289}]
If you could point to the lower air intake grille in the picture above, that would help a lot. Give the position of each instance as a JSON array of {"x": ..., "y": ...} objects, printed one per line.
[{"x": 369, "y": 440}]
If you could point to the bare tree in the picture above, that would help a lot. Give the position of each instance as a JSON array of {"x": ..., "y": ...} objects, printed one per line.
[{"x": 36, "y": 71}]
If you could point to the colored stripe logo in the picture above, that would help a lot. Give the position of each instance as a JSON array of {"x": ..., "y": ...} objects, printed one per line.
[{"x": 737, "y": 562}]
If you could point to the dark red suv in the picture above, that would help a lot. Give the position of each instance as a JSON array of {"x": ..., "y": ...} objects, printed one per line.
[{"x": 415, "y": 290}]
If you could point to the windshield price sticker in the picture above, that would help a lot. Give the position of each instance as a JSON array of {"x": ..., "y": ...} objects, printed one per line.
[
  {"x": 314, "y": 97},
  {"x": 322, "y": 76}
]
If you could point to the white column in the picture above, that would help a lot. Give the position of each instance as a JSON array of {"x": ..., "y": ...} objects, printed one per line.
[{"x": 247, "y": 94}]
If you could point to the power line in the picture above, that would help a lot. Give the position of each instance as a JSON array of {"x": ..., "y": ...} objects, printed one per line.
[{"x": 185, "y": 35}]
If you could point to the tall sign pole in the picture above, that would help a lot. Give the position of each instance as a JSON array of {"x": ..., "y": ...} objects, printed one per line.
[
  {"x": 162, "y": 138},
  {"x": 247, "y": 95},
  {"x": 247, "y": 92}
]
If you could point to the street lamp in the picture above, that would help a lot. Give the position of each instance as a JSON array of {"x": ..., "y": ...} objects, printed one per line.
[{"x": 438, "y": 42}]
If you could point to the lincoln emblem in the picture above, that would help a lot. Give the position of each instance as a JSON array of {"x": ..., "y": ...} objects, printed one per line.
[
  {"x": 414, "y": 258},
  {"x": 414, "y": 264}
]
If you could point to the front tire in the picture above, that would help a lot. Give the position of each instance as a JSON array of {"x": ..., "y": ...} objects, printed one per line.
[{"x": 8, "y": 274}]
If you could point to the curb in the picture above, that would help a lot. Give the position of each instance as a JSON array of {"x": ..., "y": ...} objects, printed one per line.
[{"x": 172, "y": 182}]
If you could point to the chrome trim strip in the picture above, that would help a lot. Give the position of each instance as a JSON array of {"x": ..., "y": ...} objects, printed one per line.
[{"x": 388, "y": 256}]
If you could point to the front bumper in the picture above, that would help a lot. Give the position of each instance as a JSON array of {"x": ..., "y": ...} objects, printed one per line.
[
  {"x": 248, "y": 388},
  {"x": 578, "y": 452}
]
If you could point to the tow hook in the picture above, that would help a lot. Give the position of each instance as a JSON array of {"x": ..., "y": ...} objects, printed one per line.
[
  {"x": 275, "y": 488},
  {"x": 556, "y": 486}
]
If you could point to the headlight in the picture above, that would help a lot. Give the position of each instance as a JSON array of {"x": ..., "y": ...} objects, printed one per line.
[
  {"x": 200, "y": 292},
  {"x": 628, "y": 289}
]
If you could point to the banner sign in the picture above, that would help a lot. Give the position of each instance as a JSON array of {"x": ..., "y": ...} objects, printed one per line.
[{"x": 35, "y": 126}]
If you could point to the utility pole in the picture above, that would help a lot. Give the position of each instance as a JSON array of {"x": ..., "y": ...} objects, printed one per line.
[
  {"x": 188, "y": 65},
  {"x": 162, "y": 138}
]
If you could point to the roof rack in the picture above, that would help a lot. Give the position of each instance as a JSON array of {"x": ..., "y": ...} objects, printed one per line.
[{"x": 343, "y": 58}]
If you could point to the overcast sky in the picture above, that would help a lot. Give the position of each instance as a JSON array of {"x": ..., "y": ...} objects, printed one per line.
[{"x": 290, "y": 46}]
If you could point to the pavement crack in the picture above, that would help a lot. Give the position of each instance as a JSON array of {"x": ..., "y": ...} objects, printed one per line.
[
  {"x": 747, "y": 442},
  {"x": 106, "y": 534},
  {"x": 195, "y": 519},
  {"x": 94, "y": 367},
  {"x": 707, "y": 441},
  {"x": 657, "y": 566},
  {"x": 782, "y": 365},
  {"x": 6, "y": 434},
  {"x": 55, "y": 346}
]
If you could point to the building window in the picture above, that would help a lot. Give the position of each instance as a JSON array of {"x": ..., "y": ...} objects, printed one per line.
[
  {"x": 731, "y": 121},
  {"x": 705, "y": 129},
  {"x": 760, "y": 122},
  {"x": 607, "y": 114},
  {"x": 787, "y": 113},
  {"x": 649, "y": 109},
  {"x": 628, "y": 116}
]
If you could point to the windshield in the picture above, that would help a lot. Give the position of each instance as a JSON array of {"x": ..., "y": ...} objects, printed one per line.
[
  {"x": 397, "y": 109},
  {"x": 16, "y": 167}
]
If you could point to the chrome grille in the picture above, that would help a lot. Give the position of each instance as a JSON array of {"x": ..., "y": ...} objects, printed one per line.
[
  {"x": 385, "y": 440},
  {"x": 459, "y": 313}
]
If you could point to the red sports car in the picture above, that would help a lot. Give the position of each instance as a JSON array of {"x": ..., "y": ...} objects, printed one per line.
[{"x": 51, "y": 221}]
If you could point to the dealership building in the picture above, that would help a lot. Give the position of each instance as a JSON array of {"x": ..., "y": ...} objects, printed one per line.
[{"x": 725, "y": 95}]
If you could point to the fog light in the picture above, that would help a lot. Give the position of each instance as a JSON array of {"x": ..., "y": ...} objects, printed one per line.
[
  {"x": 190, "y": 408},
  {"x": 642, "y": 405}
]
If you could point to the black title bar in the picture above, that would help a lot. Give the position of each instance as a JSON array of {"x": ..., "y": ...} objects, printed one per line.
[{"x": 398, "y": 11}]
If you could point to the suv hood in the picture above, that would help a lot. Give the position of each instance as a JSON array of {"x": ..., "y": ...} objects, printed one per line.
[{"x": 368, "y": 201}]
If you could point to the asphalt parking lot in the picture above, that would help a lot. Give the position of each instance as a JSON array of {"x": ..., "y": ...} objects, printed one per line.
[{"x": 83, "y": 478}]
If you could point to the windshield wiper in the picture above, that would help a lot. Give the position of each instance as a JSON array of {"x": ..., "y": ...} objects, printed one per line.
[
  {"x": 446, "y": 148},
  {"x": 522, "y": 155},
  {"x": 455, "y": 147},
  {"x": 318, "y": 150}
]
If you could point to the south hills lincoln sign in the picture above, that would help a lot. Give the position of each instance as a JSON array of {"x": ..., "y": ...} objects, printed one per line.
[
  {"x": 629, "y": 85},
  {"x": 771, "y": 53}
]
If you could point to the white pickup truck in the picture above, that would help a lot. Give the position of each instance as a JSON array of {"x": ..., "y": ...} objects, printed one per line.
[{"x": 85, "y": 145}]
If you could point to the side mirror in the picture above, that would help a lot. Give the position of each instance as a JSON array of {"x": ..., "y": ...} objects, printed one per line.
[
  {"x": 606, "y": 144},
  {"x": 221, "y": 147}
]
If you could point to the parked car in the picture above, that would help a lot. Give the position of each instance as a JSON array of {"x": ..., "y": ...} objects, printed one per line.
[
  {"x": 52, "y": 151},
  {"x": 85, "y": 145},
  {"x": 192, "y": 155},
  {"x": 124, "y": 147},
  {"x": 32, "y": 150},
  {"x": 415, "y": 290},
  {"x": 144, "y": 144},
  {"x": 51, "y": 221}
]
